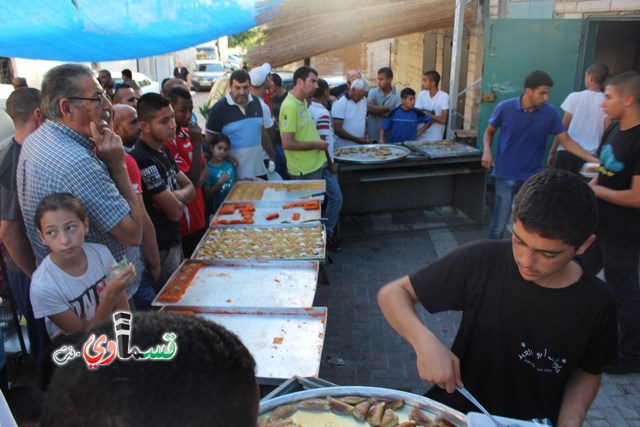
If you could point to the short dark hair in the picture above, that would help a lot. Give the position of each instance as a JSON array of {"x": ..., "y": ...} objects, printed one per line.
[
  {"x": 239, "y": 76},
  {"x": 176, "y": 93},
  {"x": 277, "y": 80},
  {"x": 57, "y": 201},
  {"x": 599, "y": 72},
  {"x": 149, "y": 104},
  {"x": 322, "y": 86},
  {"x": 537, "y": 78},
  {"x": 557, "y": 204},
  {"x": 107, "y": 72},
  {"x": 433, "y": 75},
  {"x": 627, "y": 83},
  {"x": 120, "y": 86},
  {"x": 386, "y": 71},
  {"x": 407, "y": 91},
  {"x": 302, "y": 73},
  {"x": 21, "y": 104},
  {"x": 211, "y": 379},
  {"x": 127, "y": 73}
]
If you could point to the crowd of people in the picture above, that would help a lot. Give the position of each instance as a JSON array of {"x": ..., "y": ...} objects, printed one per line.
[{"x": 105, "y": 191}]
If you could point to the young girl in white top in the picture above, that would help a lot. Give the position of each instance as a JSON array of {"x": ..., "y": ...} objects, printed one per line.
[{"x": 75, "y": 287}]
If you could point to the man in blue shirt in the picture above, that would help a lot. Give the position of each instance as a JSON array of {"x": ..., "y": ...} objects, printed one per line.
[{"x": 525, "y": 123}]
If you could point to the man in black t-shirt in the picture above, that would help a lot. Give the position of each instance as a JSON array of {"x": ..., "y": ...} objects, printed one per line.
[
  {"x": 165, "y": 190},
  {"x": 536, "y": 328},
  {"x": 617, "y": 186}
]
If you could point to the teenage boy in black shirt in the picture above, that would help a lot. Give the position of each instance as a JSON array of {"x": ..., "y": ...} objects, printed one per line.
[
  {"x": 536, "y": 328},
  {"x": 165, "y": 190},
  {"x": 617, "y": 187}
]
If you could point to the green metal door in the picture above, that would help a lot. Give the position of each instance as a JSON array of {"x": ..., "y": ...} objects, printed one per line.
[{"x": 515, "y": 47}]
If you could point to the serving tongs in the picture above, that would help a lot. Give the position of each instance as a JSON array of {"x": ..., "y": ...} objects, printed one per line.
[{"x": 463, "y": 391}]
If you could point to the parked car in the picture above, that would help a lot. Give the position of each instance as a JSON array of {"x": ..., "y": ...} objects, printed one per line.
[
  {"x": 233, "y": 61},
  {"x": 146, "y": 84},
  {"x": 205, "y": 73}
]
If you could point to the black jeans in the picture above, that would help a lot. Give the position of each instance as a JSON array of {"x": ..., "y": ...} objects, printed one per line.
[{"x": 620, "y": 263}]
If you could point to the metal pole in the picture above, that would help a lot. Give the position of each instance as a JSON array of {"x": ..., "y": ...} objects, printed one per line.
[{"x": 456, "y": 56}]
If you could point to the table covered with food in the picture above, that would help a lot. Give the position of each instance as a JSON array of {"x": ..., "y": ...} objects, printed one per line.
[
  {"x": 255, "y": 271},
  {"x": 414, "y": 175}
]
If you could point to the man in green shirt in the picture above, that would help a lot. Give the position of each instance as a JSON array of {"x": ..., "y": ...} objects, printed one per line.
[{"x": 305, "y": 151}]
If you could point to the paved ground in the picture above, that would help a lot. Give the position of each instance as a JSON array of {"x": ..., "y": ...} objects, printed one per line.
[{"x": 361, "y": 349}]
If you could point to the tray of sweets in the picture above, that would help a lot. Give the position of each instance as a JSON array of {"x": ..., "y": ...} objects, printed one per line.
[
  {"x": 283, "y": 341},
  {"x": 241, "y": 284},
  {"x": 437, "y": 149},
  {"x": 371, "y": 153},
  {"x": 347, "y": 406},
  {"x": 259, "y": 242},
  {"x": 245, "y": 191},
  {"x": 267, "y": 213}
]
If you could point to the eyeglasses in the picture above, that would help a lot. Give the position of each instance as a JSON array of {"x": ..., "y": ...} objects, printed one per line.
[{"x": 102, "y": 99}]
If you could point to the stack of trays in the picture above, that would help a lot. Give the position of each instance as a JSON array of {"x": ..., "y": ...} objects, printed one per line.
[{"x": 255, "y": 272}]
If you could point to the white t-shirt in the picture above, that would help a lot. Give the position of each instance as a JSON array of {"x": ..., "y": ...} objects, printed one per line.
[
  {"x": 587, "y": 121},
  {"x": 354, "y": 117},
  {"x": 322, "y": 118},
  {"x": 54, "y": 291},
  {"x": 435, "y": 106},
  {"x": 267, "y": 122}
]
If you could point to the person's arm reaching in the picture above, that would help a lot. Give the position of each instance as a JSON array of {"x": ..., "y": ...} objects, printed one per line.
[
  {"x": 571, "y": 146},
  {"x": 566, "y": 121},
  {"x": 289, "y": 143},
  {"x": 14, "y": 237},
  {"x": 339, "y": 131},
  {"x": 487, "y": 140},
  {"x": 195, "y": 173},
  {"x": 436, "y": 363},
  {"x": 442, "y": 118},
  {"x": 109, "y": 149},
  {"x": 628, "y": 198},
  {"x": 579, "y": 392}
]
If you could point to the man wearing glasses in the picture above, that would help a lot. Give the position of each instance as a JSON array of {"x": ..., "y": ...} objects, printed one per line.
[{"x": 75, "y": 151}]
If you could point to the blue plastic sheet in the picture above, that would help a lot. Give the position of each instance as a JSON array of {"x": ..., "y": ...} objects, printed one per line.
[{"x": 106, "y": 30}]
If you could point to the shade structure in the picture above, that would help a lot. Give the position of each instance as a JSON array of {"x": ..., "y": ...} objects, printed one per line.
[
  {"x": 298, "y": 29},
  {"x": 99, "y": 30}
]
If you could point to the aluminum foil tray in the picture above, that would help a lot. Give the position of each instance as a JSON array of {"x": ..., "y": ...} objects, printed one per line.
[
  {"x": 277, "y": 190},
  {"x": 371, "y": 153},
  {"x": 268, "y": 213},
  {"x": 255, "y": 242},
  {"x": 303, "y": 418},
  {"x": 241, "y": 284},
  {"x": 437, "y": 149},
  {"x": 283, "y": 341}
]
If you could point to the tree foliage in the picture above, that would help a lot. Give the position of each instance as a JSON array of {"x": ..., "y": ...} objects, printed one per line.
[{"x": 248, "y": 39}]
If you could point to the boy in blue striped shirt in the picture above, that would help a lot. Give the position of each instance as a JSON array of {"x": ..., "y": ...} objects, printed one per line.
[{"x": 401, "y": 123}]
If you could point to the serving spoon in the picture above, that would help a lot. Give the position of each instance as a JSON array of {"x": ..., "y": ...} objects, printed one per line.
[{"x": 463, "y": 391}]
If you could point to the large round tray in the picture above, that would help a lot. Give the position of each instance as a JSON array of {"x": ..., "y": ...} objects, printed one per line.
[
  {"x": 371, "y": 153},
  {"x": 436, "y": 408}
]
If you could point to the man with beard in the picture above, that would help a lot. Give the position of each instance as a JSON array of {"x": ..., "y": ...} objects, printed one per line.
[
  {"x": 74, "y": 151},
  {"x": 165, "y": 190},
  {"x": 239, "y": 116}
]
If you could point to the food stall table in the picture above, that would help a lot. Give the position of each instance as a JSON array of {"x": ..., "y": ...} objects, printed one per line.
[{"x": 415, "y": 182}]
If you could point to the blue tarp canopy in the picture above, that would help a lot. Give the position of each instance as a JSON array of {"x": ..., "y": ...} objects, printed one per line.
[{"x": 109, "y": 30}]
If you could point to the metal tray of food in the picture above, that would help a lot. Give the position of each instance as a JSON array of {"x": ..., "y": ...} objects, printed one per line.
[
  {"x": 437, "y": 149},
  {"x": 323, "y": 402},
  {"x": 271, "y": 212},
  {"x": 283, "y": 341},
  {"x": 286, "y": 242},
  {"x": 371, "y": 153},
  {"x": 241, "y": 284},
  {"x": 245, "y": 191}
]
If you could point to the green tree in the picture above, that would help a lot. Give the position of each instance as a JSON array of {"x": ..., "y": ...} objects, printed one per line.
[{"x": 248, "y": 39}]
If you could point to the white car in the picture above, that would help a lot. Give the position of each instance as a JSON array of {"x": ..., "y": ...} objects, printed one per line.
[
  {"x": 205, "y": 73},
  {"x": 146, "y": 84}
]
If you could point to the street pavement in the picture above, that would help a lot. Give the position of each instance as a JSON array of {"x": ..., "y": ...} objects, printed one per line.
[{"x": 362, "y": 349}]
